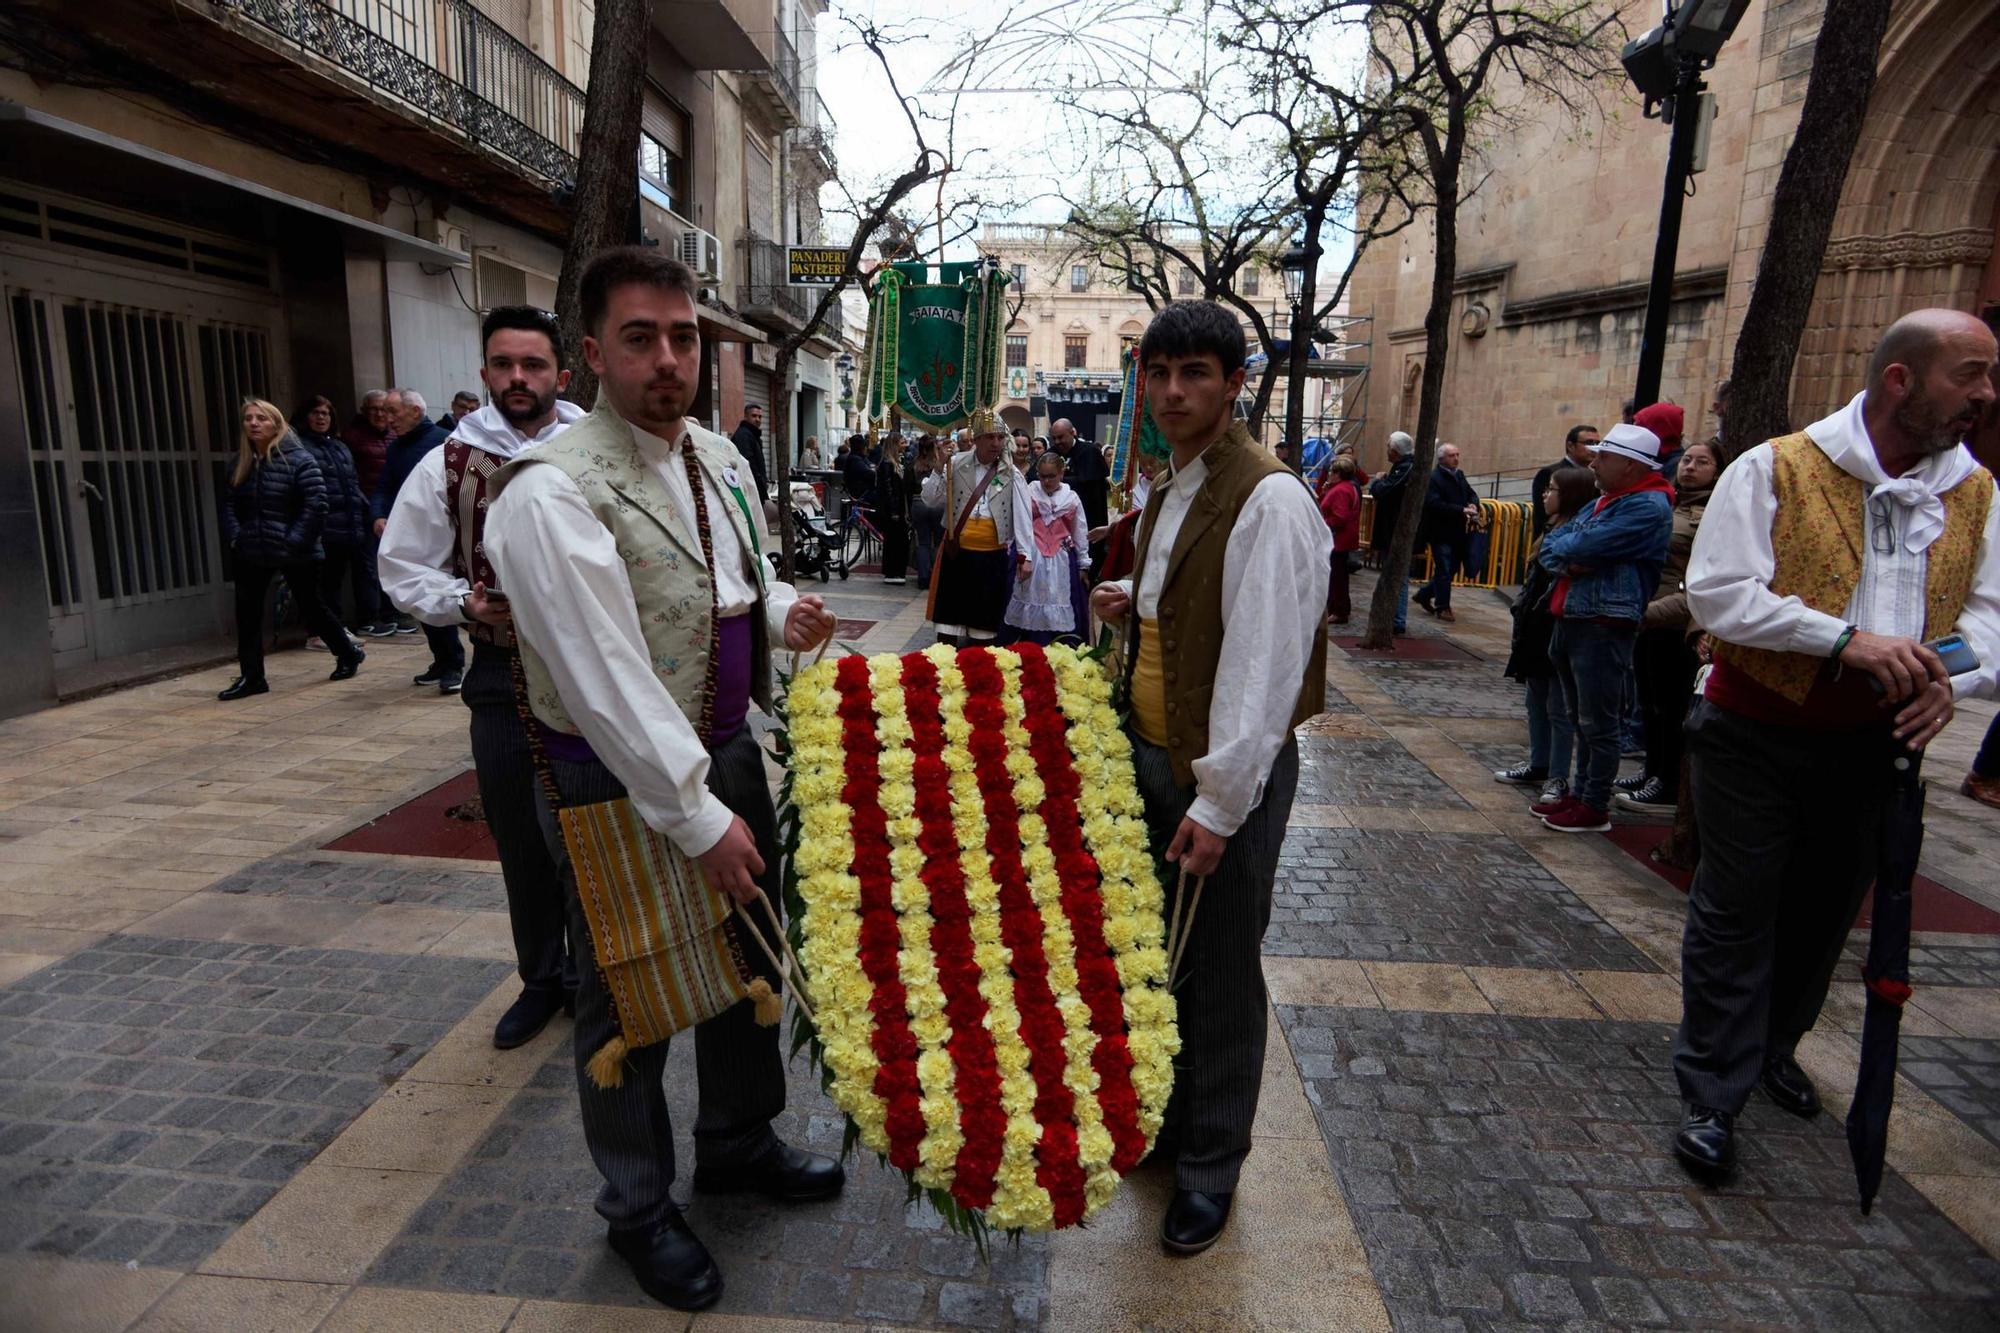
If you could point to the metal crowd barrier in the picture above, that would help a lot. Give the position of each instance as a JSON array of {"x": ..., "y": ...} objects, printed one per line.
[{"x": 1499, "y": 553}]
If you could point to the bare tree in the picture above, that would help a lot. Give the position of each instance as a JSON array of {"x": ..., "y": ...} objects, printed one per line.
[
  {"x": 1802, "y": 210},
  {"x": 878, "y": 218},
  {"x": 607, "y": 172},
  {"x": 1435, "y": 73}
]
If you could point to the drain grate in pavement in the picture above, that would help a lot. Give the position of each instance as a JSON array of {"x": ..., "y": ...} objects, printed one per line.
[
  {"x": 1418, "y": 897},
  {"x": 516, "y": 1218},
  {"x": 1513, "y": 1172},
  {"x": 155, "y": 1092}
]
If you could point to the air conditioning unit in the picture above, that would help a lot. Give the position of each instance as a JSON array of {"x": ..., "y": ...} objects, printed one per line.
[{"x": 702, "y": 252}]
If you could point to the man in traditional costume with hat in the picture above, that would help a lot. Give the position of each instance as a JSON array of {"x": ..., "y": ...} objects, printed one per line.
[
  {"x": 433, "y": 566},
  {"x": 976, "y": 568},
  {"x": 633, "y": 556},
  {"x": 1826, "y": 562},
  {"x": 1224, "y": 654}
]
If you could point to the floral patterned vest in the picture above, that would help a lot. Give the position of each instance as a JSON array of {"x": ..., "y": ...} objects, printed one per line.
[
  {"x": 662, "y": 556},
  {"x": 1819, "y": 534}
]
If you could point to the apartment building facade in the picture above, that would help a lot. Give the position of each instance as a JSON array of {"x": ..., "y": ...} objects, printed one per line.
[{"x": 204, "y": 200}]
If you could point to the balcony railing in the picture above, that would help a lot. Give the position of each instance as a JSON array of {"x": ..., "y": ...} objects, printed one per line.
[
  {"x": 767, "y": 288},
  {"x": 446, "y": 61},
  {"x": 785, "y": 66}
]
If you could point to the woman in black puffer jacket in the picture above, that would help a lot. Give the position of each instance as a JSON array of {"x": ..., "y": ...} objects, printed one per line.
[
  {"x": 271, "y": 521},
  {"x": 345, "y": 536}
]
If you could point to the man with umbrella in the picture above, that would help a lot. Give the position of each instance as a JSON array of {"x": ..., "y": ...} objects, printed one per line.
[{"x": 1826, "y": 562}]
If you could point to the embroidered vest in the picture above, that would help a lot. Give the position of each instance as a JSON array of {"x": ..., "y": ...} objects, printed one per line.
[
  {"x": 662, "y": 556},
  {"x": 1819, "y": 535},
  {"x": 466, "y": 473},
  {"x": 1190, "y": 607}
]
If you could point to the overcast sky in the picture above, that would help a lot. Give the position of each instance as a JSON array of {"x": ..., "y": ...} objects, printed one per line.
[{"x": 1020, "y": 148}]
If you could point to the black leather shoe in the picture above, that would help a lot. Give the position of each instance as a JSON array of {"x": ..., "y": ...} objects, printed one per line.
[
  {"x": 526, "y": 1017},
  {"x": 241, "y": 688},
  {"x": 1194, "y": 1221},
  {"x": 671, "y": 1264},
  {"x": 1706, "y": 1144},
  {"x": 349, "y": 667},
  {"x": 785, "y": 1173},
  {"x": 1789, "y": 1087}
]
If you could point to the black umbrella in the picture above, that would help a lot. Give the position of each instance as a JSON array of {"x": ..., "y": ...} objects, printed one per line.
[{"x": 1887, "y": 976}]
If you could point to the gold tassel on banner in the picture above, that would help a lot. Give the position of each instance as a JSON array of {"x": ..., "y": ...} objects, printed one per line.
[{"x": 607, "y": 1067}]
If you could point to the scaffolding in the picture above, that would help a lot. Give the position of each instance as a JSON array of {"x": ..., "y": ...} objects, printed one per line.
[{"x": 1339, "y": 369}]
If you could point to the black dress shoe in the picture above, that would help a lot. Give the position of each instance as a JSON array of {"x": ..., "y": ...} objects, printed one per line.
[
  {"x": 349, "y": 667},
  {"x": 1789, "y": 1087},
  {"x": 671, "y": 1264},
  {"x": 1706, "y": 1144},
  {"x": 243, "y": 688},
  {"x": 1194, "y": 1221},
  {"x": 526, "y": 1017},
  {"x": 785, "y": 1173}
]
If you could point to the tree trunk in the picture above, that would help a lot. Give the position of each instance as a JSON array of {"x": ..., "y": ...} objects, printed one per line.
[
  {"x": 1430, "y": 402},
  {"x": 607, "y": 169},
  {"x": 1802, "y": 209}
]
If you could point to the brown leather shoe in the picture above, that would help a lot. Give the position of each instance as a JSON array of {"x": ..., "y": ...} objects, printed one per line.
[{"x": 1986, "y": 791}]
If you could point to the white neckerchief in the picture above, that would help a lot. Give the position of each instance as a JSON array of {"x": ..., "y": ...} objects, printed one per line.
[{"x": 1844, "y": 438}]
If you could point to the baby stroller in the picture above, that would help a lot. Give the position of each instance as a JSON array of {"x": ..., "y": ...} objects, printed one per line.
[{"x": 814, "y": 544}]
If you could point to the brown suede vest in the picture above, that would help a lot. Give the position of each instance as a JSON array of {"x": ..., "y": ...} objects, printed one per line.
[
  {"x": 1819, "y": 534},
  {"x": 1190, "y": 611}
]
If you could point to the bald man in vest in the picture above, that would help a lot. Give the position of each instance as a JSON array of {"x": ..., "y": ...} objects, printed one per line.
[
  {"x": 1825, "y": 563},
  {"x": 1224, "y": 653},
  {"x": 632, "y": 556}
]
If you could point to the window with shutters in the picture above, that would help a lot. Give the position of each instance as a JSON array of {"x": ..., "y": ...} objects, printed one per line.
[
  {"x": 1079, "y": 277},
  {"x": 758, "y": 186},
  {"x": 1021, "y": 276},
  {"x": 663, "y": 148},
  {"x": 1017, "y": 351},
  {"x": 1252, "y": 279},
  {"x": 1076, "y": 351},
  {"x": 1185, "y": 285}
]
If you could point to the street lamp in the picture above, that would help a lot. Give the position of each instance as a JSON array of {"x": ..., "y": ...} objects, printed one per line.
[
  {"x": 1295, "y": 264},
  {"x": 1666, "y": 65}
]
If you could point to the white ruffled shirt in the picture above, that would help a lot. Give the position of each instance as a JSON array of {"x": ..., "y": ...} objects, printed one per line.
[{"x": 1730, "y": 570}]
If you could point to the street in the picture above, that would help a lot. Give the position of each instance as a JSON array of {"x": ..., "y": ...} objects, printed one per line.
[{"x": 246, "y": 1077}]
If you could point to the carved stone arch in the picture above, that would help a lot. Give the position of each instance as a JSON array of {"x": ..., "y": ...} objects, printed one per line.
[{"x": 1917, "y": 217}]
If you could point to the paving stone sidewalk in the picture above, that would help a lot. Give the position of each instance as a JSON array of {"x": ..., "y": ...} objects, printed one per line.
[
  {"x": 516, "y": 1219},
  {"x": 155, "y": 1092},
  {"x": 351, "y": 881},
  {"x": 1512, "y": 1172},
  {"x": 1349, "y": 771}
]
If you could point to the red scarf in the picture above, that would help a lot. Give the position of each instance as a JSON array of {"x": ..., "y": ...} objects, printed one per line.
[{"x": 1652, "y": 481}]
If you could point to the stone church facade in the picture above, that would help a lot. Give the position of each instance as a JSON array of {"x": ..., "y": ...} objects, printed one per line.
[{"x": 1556, "y": 242}]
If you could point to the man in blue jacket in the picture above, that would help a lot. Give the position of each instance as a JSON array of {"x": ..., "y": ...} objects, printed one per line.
[
  {"x": 1607, "y": 562},
  {"x": 417, "y": 435}
]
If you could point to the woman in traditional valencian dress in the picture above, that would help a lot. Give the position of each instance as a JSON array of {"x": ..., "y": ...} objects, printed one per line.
[{"x": 1048, "y": 596}]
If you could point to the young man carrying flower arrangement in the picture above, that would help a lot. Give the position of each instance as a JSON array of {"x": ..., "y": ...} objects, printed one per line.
[
  {"x": 646, "y": 615},
  {"x": 1225, "y": 655}
]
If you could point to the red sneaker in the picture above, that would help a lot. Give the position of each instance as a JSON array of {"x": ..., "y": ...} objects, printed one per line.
[
  {"x": 1553, "y": 805},
  {"x": 1577, "y": 817}
]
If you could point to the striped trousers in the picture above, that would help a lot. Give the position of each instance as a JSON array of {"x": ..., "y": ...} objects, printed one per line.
[
  {"x": 1220, "y": 996},
  {"x": 737, "y": 1063}
]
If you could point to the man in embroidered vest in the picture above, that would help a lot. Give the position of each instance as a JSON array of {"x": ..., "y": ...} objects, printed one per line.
[
  {"x": 976, "y": 569},
  {"x": 1824, "y": 563},
  {"x": 433, "y": 566},
  {"x": 1224, "y": 653},
  {"x": 632, "y": 555}
]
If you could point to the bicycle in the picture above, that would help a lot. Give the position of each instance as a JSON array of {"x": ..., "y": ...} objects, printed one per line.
[{"x": 859, "y": 538}]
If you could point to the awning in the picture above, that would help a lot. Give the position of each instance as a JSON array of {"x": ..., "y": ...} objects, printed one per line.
[{"x": 392, "y": 244}]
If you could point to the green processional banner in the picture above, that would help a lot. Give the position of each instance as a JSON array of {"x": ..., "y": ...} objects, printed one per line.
[{"x": 934, "y": 348}]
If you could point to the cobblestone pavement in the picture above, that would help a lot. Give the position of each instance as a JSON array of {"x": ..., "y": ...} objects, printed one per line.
[
  {"x": 1510, "y": 1171},
  {"x": 155, "y": 1092},
  {"x": 516, "y": 1219},
  {"x": 1369, "y": 773},
  {"x": 349, "y": 881},
  {"x": 247, "y": 1083},
  {"x": 1433, "y": 898}
]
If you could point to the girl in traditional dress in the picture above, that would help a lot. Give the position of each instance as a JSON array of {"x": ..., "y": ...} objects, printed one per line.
[{"x": 1048, "y": 602}]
